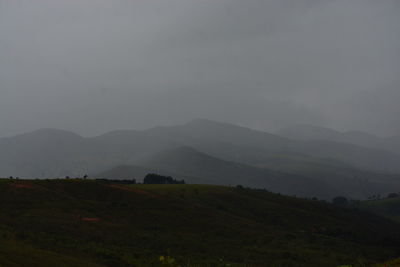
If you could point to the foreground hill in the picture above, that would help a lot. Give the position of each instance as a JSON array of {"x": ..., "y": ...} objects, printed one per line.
[
  {"x": 97, "y": 223},
  {"x": 388, "y": 207}
]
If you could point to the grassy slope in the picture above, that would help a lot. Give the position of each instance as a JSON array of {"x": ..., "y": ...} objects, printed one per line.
[
  {"x": 42, "y": 222},
  {"x": 15, "y": 253},
  {"x": 391, "y": 263},
  {"x": 388, "y": 207}
]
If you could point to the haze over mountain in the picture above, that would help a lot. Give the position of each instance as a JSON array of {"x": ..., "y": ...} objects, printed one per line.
[
  {"x": 96, "y": 66},
  {"x": 311, "y": 132},
  {"x": 190, "y": 163},
  {"x": 93, "y": 66},
  {"x": 303, "y": 179},
  {"x": 206, "y": 151}
]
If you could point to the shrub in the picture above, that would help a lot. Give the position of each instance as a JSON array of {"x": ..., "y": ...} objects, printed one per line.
[{"x": 160, "y": 179}]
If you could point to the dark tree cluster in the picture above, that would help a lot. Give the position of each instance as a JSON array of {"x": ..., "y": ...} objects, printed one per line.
[
  {"x": 152, "y": 178},
  {"x": 340, "y": 201},
  {"x": 393, "y": 195},
  {"x": 378, "y": 196}
]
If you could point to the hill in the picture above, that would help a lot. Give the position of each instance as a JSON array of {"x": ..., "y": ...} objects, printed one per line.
[
  {"x": 393, "y": 143},
  {"x": 53, "y": 153},
  {"x": 312, "y": 133},
  {"x": 98, "y": 223},
  {"x": 244, "y": 145},
  {"x": 388, "y": 207},
  {"x": 303, "y": 177},
  {"x": 307, "y": 132},
  {"x": 199, "y": 168}
]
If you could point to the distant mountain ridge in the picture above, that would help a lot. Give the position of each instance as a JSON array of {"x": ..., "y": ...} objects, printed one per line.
[
  {"x": 53, "y": 153},
  {"x": 307, "y": 132},
  {"x": 223, "y": 140}
]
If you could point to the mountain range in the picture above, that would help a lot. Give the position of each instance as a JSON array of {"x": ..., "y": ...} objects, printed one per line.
[
  {"x": 311, "y": 132},
  {"x": 204, "y": 151}
]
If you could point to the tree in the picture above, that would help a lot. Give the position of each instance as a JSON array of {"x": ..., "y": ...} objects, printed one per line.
[
  {"x": 152, "y": 178},
  {"x": 393, "y": 195}
]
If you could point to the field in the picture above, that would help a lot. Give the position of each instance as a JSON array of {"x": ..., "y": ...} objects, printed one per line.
[{"x": 98, "y": 223}]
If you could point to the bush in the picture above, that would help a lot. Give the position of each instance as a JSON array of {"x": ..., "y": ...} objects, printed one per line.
[
  {"x": 340, "y": 201},
  {"x": 160, "y": 179},
  {"x": 393, "y": 195}
]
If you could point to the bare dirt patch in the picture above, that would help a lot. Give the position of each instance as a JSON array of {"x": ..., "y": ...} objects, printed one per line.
[
  {"x": 135, "y": 190},
  {"x": 90, "y": 219}
]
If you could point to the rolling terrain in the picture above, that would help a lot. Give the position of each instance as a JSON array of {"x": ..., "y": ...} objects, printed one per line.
[
  {"x": 307, "y": 179},
  {"x": 388, "y": 207},
  {"x": 98, "y": 223},
  {"x": 243, "y": 156},
  {"x": 198, "y": 168}
]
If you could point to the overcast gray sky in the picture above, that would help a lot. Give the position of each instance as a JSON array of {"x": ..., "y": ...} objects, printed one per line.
[{"x": 91, "y": 66}]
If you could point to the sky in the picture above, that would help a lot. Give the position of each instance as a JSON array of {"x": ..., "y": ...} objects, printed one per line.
[{"x": 92, "y": 66}]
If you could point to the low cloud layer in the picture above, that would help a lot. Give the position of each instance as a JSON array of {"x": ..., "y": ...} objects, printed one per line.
[{"x": 92, "y": 66}]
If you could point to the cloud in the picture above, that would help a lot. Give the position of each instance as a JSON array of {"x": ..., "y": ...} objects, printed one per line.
[{"x": 95, "y": 65}]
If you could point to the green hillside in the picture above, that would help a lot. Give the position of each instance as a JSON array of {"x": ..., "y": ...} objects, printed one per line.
[
  {"x": 388, "y": 207},
  {"x": 98, "y": 223}
]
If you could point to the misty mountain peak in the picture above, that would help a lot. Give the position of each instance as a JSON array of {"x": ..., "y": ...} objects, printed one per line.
[{"x": 48, "y": 134}]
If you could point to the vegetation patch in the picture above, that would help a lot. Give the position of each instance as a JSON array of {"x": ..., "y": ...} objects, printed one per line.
[{"x": 98, "y": 223}]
